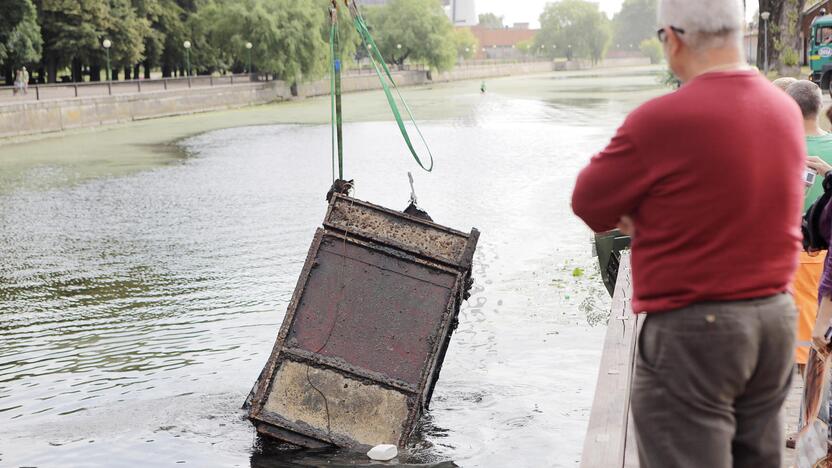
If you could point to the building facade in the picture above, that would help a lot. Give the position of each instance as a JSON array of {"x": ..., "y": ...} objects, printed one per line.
[
  {"x": 460, "y": 12},
  {"x": 501, "y": 43}
]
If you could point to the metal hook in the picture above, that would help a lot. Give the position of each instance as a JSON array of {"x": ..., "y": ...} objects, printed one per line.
[{"x": 412, "y": 189}]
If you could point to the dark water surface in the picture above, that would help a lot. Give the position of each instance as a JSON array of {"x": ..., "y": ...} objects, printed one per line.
[{"x": 138, "y": 307}]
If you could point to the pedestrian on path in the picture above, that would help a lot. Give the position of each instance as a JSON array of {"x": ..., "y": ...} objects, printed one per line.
[
  {"x": 24, "y": 79},
  {"x": 708, "y": 181},
  {"x": 808, "y": 97},
  {"x": 18, "y": 82}
]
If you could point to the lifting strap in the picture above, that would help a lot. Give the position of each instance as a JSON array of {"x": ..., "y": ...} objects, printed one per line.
[{"x": 387, "y": 82}]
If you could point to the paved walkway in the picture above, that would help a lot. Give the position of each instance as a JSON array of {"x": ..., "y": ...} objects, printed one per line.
[{"x": 792, "y": 410}]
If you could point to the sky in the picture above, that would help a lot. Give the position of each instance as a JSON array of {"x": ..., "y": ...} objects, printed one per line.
[{"x": 528, "y": 11}]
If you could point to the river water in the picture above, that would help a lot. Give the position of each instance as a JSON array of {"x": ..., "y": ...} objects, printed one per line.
[{"x": 144, "y": 276}]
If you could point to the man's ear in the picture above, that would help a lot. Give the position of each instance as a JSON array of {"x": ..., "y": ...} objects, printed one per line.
[{"x": 674, "y": 42}]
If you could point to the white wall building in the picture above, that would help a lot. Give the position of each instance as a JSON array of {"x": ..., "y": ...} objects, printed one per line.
[{"x": 462, "y": 12}]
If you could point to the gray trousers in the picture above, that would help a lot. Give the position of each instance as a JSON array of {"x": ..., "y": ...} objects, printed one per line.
[{"x": 710, "y": 382}]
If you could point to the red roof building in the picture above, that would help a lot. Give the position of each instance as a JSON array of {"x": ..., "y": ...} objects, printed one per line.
[{"x": 501, "y": 43}]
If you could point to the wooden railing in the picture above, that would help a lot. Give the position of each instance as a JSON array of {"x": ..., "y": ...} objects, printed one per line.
[{"x": 610, "y": 439}]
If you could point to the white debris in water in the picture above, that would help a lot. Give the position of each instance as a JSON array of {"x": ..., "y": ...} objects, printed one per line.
[{"x": 384, "y": 452}]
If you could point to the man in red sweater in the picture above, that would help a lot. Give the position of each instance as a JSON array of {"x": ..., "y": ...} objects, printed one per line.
[{"x": 707, "y": 180}]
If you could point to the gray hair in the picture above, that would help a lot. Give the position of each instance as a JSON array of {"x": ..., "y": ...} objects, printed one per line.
[
  {"x": 707, "y": 23},
  {"x": 808, "y": 97},
  {"x": 784, "y": 83}
]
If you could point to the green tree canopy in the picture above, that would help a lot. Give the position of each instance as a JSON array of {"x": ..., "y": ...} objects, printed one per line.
[
  {"x": 127, "y": 32},
  {"x": 285, "y": 35},
  {"x": 20, "y": 39},
  {"x": 154, "y": 37},
  {"x": 490, "y": 20},
  {"x": 420, "y": 26},
  {"x": 635, "y": 22},
  {"x": 72, "y": 30},
  {"x": 466, "y": 43},
  {"x": 576, "y": 28}
]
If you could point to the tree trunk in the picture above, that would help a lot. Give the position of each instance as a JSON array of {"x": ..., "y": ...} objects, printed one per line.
[
  {"x": 790, "y": 45},
  {"x": 95, "y": 72},
  {"x": 167, "y": 72},
  {"x": 52, "y": 70},
  {"x": 77, "y": 77},
  {"x": 8, "y": 75},
  {"x": 768, "y": 30},
  {"x": 783, "y": 35},
  {"x": 114, "y": 76},
  {"x": 146, "y": 66},
  {"x": 127, "y": 72}
]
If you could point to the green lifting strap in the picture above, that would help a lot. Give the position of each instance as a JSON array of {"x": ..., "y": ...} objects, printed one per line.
[
  {"x": 383, "y": 71},
  {"x": 335, "y": 93}
]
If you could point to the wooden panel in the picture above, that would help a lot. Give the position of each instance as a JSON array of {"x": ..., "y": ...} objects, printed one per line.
[{"x": 609, "y": 436}]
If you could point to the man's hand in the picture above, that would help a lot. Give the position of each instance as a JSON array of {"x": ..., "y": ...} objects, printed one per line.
[
  {"x": 627, "y": 226},
  {"x": 819, "y": 165}
]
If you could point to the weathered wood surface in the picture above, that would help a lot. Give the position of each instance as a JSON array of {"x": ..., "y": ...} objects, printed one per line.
[{"x": 609, "y": 437}]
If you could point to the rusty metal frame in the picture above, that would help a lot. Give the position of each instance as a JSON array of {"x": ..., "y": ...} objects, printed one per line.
[
  {"x": 466, "y": 256},
  {"x": 417, "y": 397},
  {"x": 308, "y": 436}
]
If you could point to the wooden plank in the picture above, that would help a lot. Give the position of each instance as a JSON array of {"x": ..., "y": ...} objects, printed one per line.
[{"x": 606, "y": 441}]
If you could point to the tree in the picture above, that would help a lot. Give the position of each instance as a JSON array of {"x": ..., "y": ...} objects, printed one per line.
[
  {"x": 348, "y": 38},
  {"x": 420, "y": 26},
  {"x": 466, "y": 43},
  {"x": 490, "y": 20},
  {"x": 784, "y": 42},
  {"x": 652, "y": 48},
  {"x": 575, "y": 28},
  {"x": 285, "y": 36},
  {"x": 170, "y": 25},
  {"x": 127, "y": 31},
  {"x": 20, "y": 40},
  {"x": 72, "y": 31},
  {"x": 525, "y": 47},
  {"x": 635, "y": 22},
  {"x": 151, "y": 11}
]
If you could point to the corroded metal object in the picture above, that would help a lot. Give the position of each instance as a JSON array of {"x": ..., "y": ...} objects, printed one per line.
[
  {"x": 608, "y": 247},
  {"x": 364, "y": 337}
]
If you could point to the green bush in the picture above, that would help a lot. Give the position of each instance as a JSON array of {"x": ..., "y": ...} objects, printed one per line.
[
  {"x": 669, "y": 79},
  {"x": 790, "y": 57},
  {"x": 652, "y": 48}
]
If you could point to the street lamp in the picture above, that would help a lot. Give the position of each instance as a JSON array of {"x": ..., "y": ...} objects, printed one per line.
[
  {"x": 765, "y": 16},
  {"x": 399, "y": 46},
  {"x": 107, "y": 44},
  {"x": 249, "y": 45},
  {"x": 187, "y": 46}
]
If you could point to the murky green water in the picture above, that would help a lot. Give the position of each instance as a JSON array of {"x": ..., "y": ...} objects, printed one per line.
[{"x": 142, "y": 283}]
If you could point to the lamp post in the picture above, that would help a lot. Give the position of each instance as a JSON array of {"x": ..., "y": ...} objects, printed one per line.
[
  {"x": 187, "y": 45},
  {"x": 249, "y": 45},
  {"x": 107, "y": 44},
  {"x": 765, "y": 16}
]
